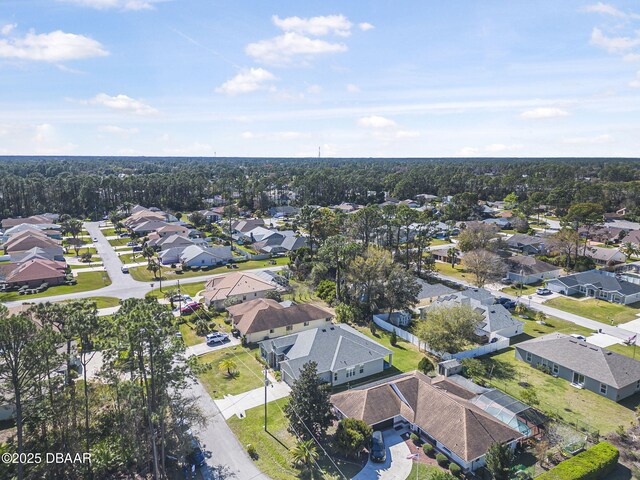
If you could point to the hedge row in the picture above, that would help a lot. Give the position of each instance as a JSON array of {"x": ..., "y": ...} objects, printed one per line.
[{"x": 592, "y": 464}]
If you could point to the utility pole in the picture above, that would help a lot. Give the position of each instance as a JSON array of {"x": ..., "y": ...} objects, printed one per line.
[{"x": 266, "y": 383}]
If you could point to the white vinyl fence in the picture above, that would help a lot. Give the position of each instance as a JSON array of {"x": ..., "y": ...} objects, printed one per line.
[{"x": 500, "y": 344}]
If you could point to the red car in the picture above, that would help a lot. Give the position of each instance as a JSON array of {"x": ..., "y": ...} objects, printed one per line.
[{"x": 190, "y": 307}]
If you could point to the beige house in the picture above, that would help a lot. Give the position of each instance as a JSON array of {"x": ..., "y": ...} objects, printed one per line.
[
  {"x": 264, "y": 318},
  {"x": 236, "y": 285}
]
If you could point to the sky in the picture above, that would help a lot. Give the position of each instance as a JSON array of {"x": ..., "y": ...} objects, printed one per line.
[{"x": 384, "y": 78}]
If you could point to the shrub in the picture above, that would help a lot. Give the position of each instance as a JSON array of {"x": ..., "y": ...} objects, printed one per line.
[
  {"x": 253, "y": 453},
  {"x": 326, "y": 290},
  {"x": 427, "y": 448},
  {"x": 425, "y": 365},
  {"x": 455, "y": 469},
  {"x": 442, "y": 459},
  {"x": 372, "y": 327},
  {"x": 414, "y": 438},
  {"x": 592, "y": 464},
  {"x": 393, "y": 339}
]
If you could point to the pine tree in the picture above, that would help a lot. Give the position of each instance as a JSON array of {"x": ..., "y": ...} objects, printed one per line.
[
  {"x": 309, "y": 407},
  {"x": 498, "y": 460}
]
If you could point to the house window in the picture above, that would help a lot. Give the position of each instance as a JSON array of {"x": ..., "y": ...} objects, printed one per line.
[
  {"x": 603, "y": 388},
  {"x": 289, "y": 328},
  {"x": 638, "y": 385},
  {"x": 306, "y": 324},
  {"x": 351, "y": 371},
  {"x": 203, "y": 261},
  {"x": 244, "y": 297},
  {"x": 271, "y": 331},
  {"x": 335, "y": 377},
  {"x": 361, "y": 368},
  {"x": 529, "y": 357},
  {"x": 556, "y": 368}
]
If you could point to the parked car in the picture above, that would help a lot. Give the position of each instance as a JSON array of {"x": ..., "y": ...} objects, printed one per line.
[
  {"x": 506, "y": 281},
  {"x": 124, "y": 269},
  {"x": 124, "y": 235},
  {"x": 578, "y": 336},
  {"x": 378, "y": 452},
  {"x": 190, "y": 307},
  {"x": 216, "y": 337},
  {"x": 509, "y": 305},
  {"x": 502, "y": 300},
  {"x": 137, "y": 248},
  {"x": 196, "y": 455},
  {"x": 543, "y": 291},
  {"x": 131, "y": 244},
  {"x": 95, "y": 239}
]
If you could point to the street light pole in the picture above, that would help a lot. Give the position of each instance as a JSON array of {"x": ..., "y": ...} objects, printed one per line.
[{"x": 266, "y": 381}]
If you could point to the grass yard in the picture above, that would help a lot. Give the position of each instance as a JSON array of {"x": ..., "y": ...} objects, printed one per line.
[
  {"x": 273, "y": 447},
  {"x": 143, "y": 275},
  {"x": 301, "y": 293},
  {"x": 93, "y": 263},
  {"x": 436, "y": 242},
  {"x": 533, "y": 329},
  {"x": 86, "y": 281},
  {"x": 421, "y": 471},
  {"x": 188, "y": 331},
  {"x": 526, "y": 290},
  {"x": 405, "y": 355},
  {"x": 132, "y": 257},
  {"x": 109, "y": 232},
  {"x": 103, "y": 302},
  {"x": 598, "y": 310},
  {"x": 249, "y": 373},
  {"x": 119, "y": 242},
  {"x": 557, "y": 396},
  {"x": 81, "y": 250},
  {"x": 190, "y": 289},
  {"x": 458, "y": 272}
]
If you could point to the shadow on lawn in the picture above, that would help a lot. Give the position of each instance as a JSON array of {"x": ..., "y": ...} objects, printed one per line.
[{"x": 500, "y": 369}]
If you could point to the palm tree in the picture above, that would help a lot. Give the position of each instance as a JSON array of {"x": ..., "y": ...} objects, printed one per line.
[
  {"x": 452, "y": 253},
  {"x": 629, "y": 249},
  {"x": 153, "y": 267},
  {"x": 229, "y": 365},
  {"x": 305, "y": 453}
]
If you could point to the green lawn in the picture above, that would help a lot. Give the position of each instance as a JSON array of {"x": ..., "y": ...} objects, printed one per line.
[
  {"x": 132, "y": 257},
  {"x": 189, "y": 334},
  {"x": 405, "y": 355},
  {"x": 597, "y": 309},
  {"x": 103, "y": 302},
  {"x": 109, "y": 232},
  {"x": 249, "y": 372},
  {"x": 142, "y": 274},
  {"x": 457, "y": 272},
  {"x": 421, "y": 471},
  {"x": 435, "y": 242},
  {"x": 526, "y": 290},
  {"x": 557, "y": 396},
  {"x": 81, "y": 250},
  {"x": 273, "y": 447},
  {"x": 188, "y": 289},
  {"x": 119, "y": 242},
  {"x": 301, "y": 293},
  {"x": 86, "y": 281}
]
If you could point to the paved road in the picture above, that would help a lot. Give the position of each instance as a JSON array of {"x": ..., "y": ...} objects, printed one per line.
[
  {"x": 536, "y": 304},
  {"x": 217, "y": 438}
]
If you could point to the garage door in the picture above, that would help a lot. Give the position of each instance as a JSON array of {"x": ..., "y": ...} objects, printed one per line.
[{"x": 383, "y": 425}]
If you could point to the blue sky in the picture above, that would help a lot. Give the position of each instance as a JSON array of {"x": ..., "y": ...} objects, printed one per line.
[{"x": 368, "y": 79}]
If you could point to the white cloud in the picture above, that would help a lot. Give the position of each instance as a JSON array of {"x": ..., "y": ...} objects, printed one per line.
[
  {"x": 352, "y": 88},
  {"x": 407, "y": 134},
  {"x": 8, "y": 28},
  {"x": 632, "y": 57},
  {"x": 56, "y": 46},
  {"x": 376, "y": 121},
  {"x": 117, "y": 4},
  {"x": 635, "y": 83},
  {"x": 247, "y": 81},
  {"x": 117, "y": 130},
  {"x": 468, "y": 152},
  {"x": 314, "y": 89},
  {"x": 606, "y": 9},
  {"x": 614, "y": 44},
  {"x": 364, "y": 26},
  {"x": 43, "y": 133},
  {"x": 123, "y": 103},
  {"x": 606, "y": 138},
  {"x": 543, "y": 112},
  {"x": 284, "y": 49},
  {"x": 317, "y": 26}
]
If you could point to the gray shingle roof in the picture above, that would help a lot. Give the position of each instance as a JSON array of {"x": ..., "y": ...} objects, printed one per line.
[
  {"x": 430, "y": 290},
  {"x": 594, "y": 362},
  {"x": 529, "y": 265},
  {"x": 600, "y": 280}
]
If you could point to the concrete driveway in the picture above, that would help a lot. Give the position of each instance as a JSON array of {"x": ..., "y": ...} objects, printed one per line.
[
  {"x": 203, "y": 348},
  {"x": 396, "y": 467},
  {"x": 232, "y": 405}
]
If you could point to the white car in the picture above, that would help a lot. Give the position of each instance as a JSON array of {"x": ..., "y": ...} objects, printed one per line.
[
  {"x": 216, "y": 337},
  {"x": 578, "y": 336},
  {"x": 95, "y": 239}
]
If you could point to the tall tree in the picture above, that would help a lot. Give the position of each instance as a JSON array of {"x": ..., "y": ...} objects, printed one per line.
[
  {"x": 499, "y": 459},
  {"x": 448, "y": 329},
  {"x": 484, "y": 265}
]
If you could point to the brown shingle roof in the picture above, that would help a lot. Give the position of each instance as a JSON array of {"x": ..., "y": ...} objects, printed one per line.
[
  {"x": 236, "y": 283},
  {"x": 444, "y": 412},
  {"x": 33, "y": 220},
  {"x": 264, "y": 314},
  {"x": 29, "y": 241},
  {"x": 35, "y": 270}
]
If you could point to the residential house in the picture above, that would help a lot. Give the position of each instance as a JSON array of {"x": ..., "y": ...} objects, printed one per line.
[
  {"x": 32, "y": 220},
  {"x": 399, "y": 319},
  {"x": 236, "y": 286},
  {"x": 172, "y": 229},
  {"x": 527, "y": 244},
  {"x": 632, "y": 237},
  {"x": 201, "y": 256},
  {"x": 597, "y": 284},
  {"x": 35, "y": 253},
  {"x": 585, "y": 365},
  {"x": 501, "y": 223},
  {"x": 438, "y": 410},
  {"x": 346, "y": 207},
  {"x": 263, "y": 318},
  {"x": 280, "y": 242},
  {"x": 443, "y": 254},
  {"x": 497, "y": 321},
  {"x": 146, "y": 227},
  {"x": 213, "y": 215},
  {"x": 244, "y": 226},
  {"x": 28, "y": 240},
  {"x": 284, "y": 211},
  {"x": 528, "y": 270},
  {"x": 33, "y": 273},
  {"x": 431, "y": 291},
  {"x": 171, "y": 241},
  {"x": 341, "y": 353},
  {"x": 605, "y": 256}
]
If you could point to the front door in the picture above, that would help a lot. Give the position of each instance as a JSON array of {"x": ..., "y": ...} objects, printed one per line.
[{"x": 578, "y": 379}]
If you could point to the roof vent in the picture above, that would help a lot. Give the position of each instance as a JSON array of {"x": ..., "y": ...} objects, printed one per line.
[{"x": 324, "y": 330}]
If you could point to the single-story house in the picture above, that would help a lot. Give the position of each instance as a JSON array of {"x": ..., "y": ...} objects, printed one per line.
[
  {"x": 441, "y": 254},
  {"x": 501, "y": 223},
  {"x": 342, "y": 354},
  {"x": 264, "y": 318},
  {"x": 437, "y": 410},
  {"x": 497, "y": 321},
  {"x": 200, "y": 256},
  {"x": 244, "y": 226},
  {"x": 242, "y": 286},
  {"x": 33, "y": 273},
  {"x": 528, "y": 270},
  {"x": 148, "y": 226},
  {"x": 172, "y": 229},
  {"x": 37, "y": 253},
  {"x": 213, "y": 215},
  {"x": 430, "y": 291},
  {"x": 527, "y": 244},
  {"x": 585, "y": 365},
  {"x": 632, "y": 237},
  {"x": 171, "y": 241},
  {"x": 26, "y": 241},
  {"x": 280, "y": 242},
  {"x": 597, "y": 284},
  {"x": 606, "y": 256},
  {"x": 32, "y": 220},
  {"x": 284, "y": 211}
]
